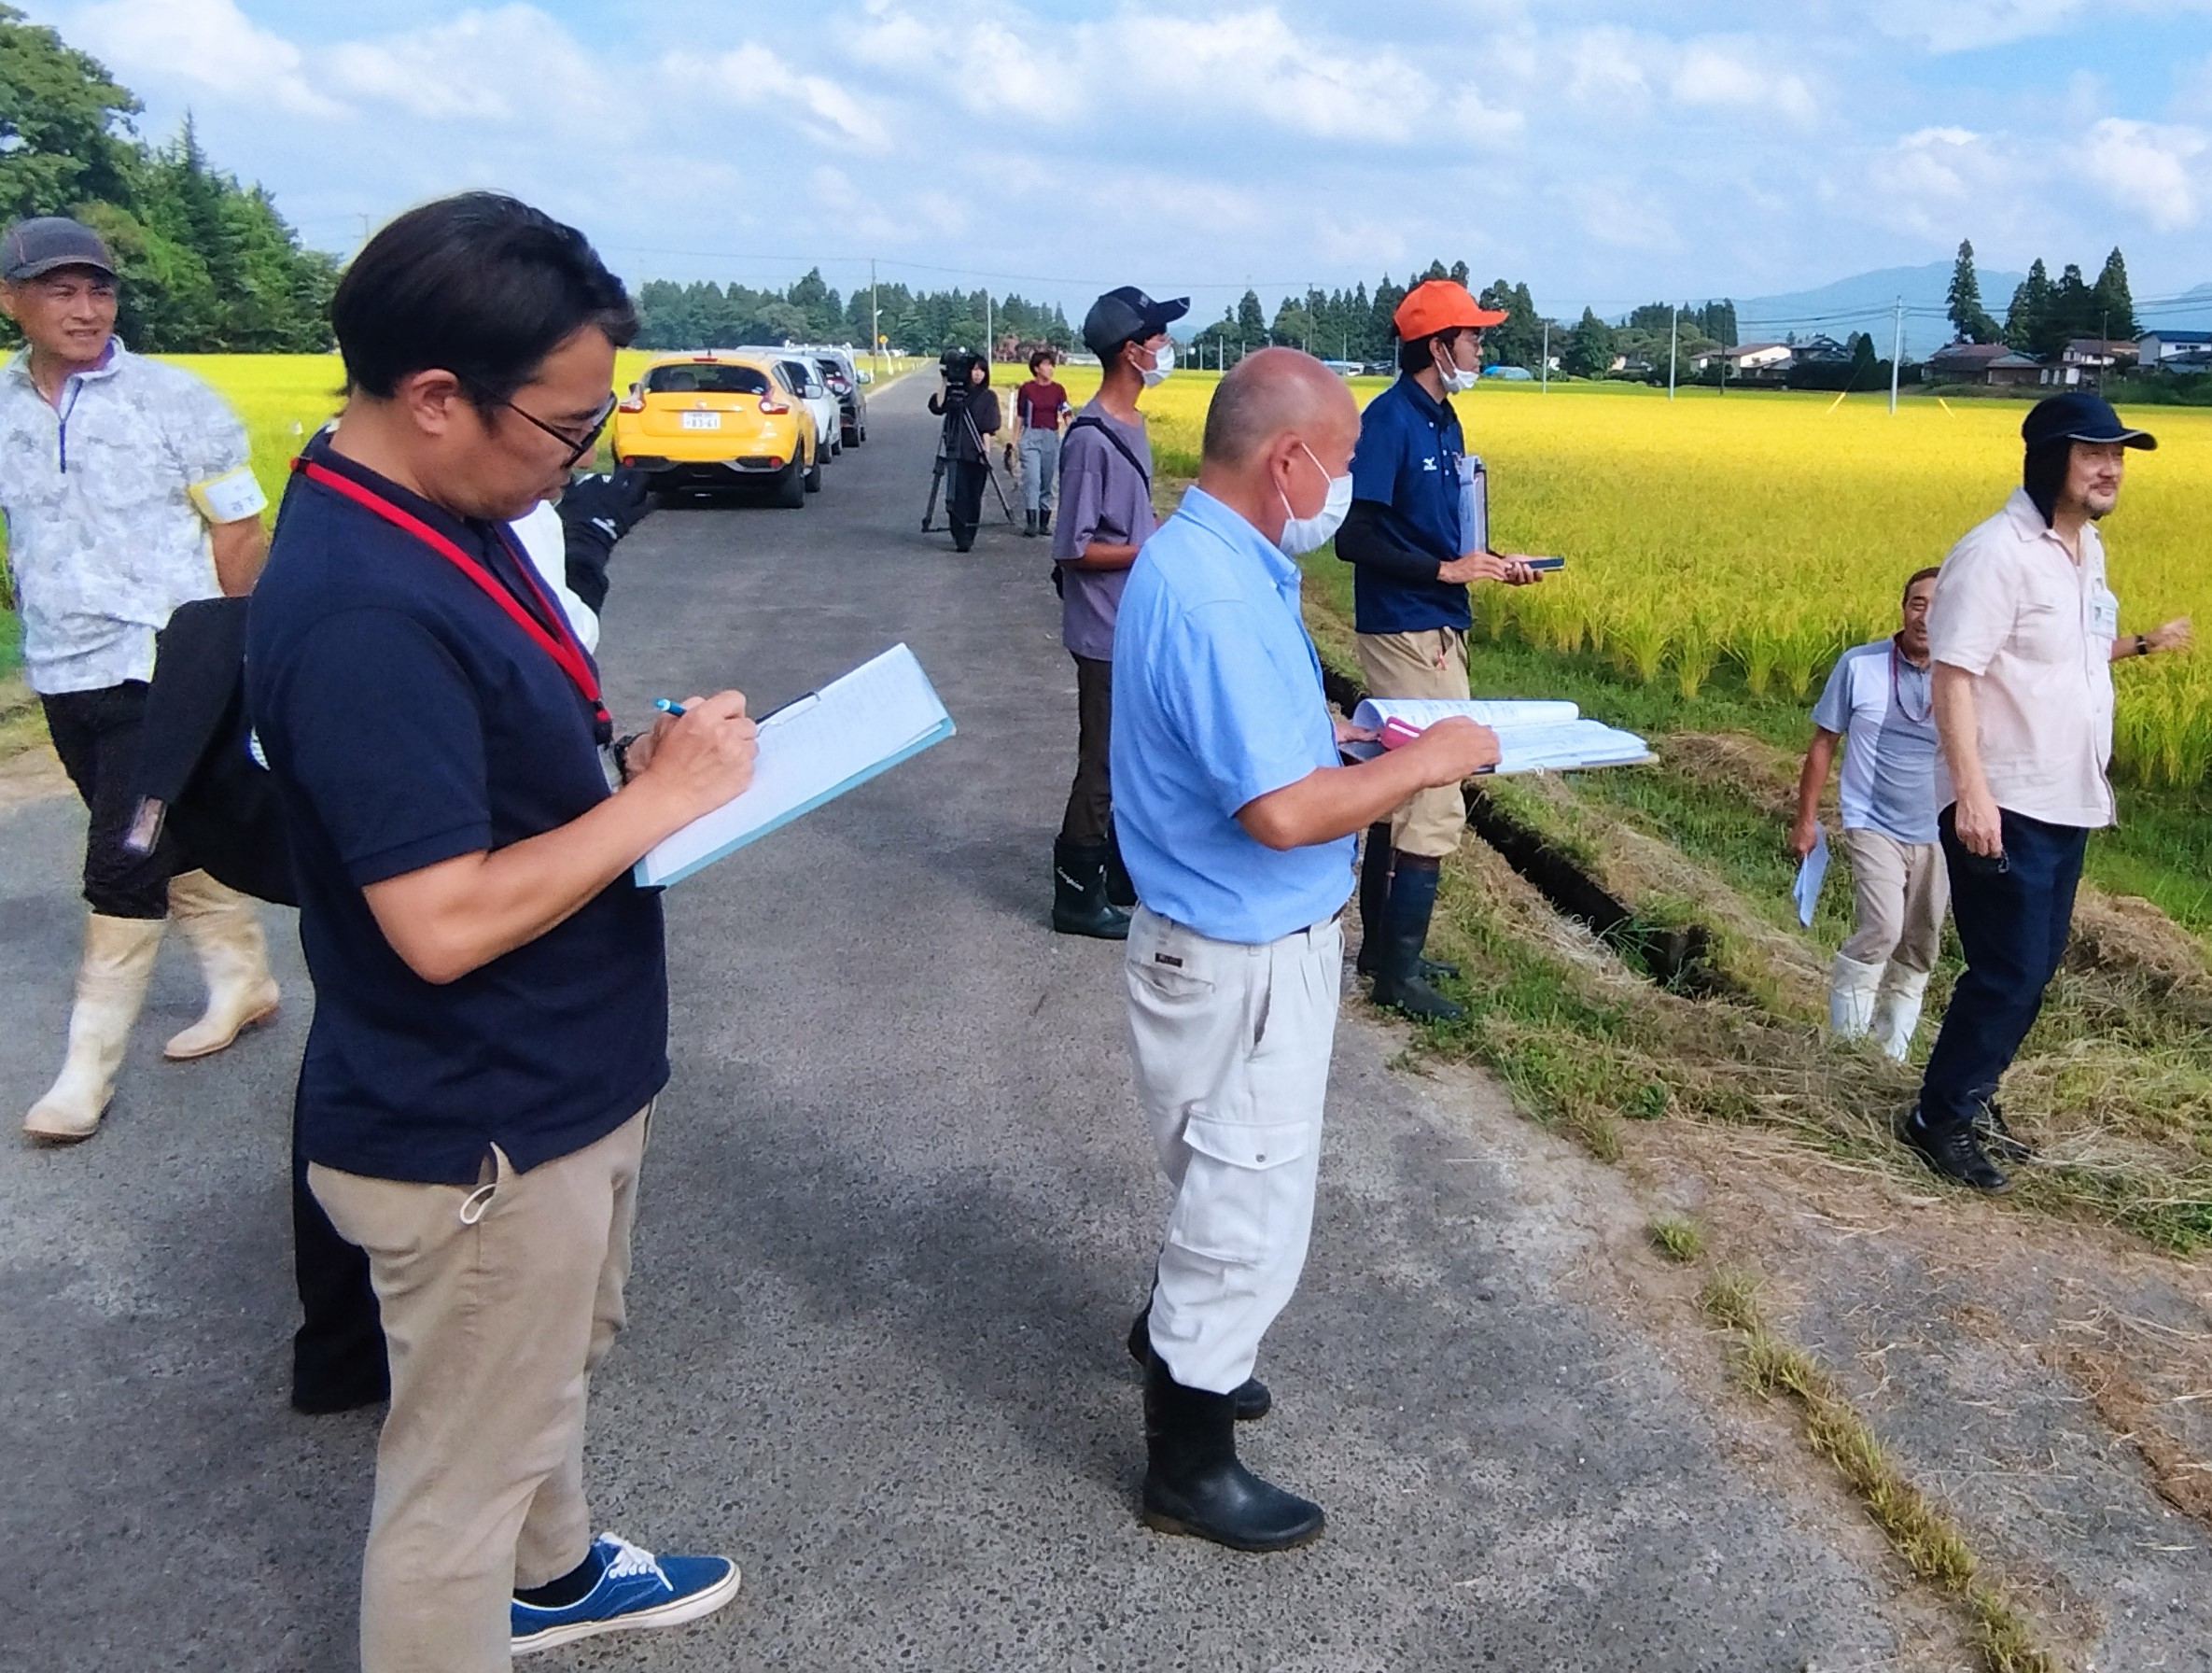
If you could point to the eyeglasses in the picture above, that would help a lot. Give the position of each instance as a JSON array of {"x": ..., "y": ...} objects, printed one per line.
[{"x": 576, "y": 446}]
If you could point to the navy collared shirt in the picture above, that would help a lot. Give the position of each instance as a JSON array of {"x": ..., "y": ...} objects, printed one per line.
[
  {"x": 1409, "y": 464},
  {"x": 408, "y": 720},
  {"x": 1217, "y": 701}
]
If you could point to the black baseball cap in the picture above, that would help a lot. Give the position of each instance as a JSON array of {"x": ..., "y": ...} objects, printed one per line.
[
  {"x": 47, "y": 242},
  {"x": 1127, "y": 314},
  {"x": 2079, "y": 415}
]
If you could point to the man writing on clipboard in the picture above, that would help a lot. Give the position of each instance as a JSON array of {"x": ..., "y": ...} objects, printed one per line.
[{"x": 1417, "y": 533}]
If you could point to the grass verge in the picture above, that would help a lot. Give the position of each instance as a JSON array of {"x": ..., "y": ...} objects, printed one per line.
[{"x": 1928, "y": 1542}]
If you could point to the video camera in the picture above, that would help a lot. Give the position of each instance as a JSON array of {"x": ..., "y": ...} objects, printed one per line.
[{"x": 956, "y": 366}]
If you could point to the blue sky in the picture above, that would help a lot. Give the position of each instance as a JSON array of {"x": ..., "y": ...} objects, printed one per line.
[{"x": 1605, "y": 152}]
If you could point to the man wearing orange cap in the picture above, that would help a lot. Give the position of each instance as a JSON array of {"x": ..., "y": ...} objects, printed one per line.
[{"x": 1416, "y": 536}]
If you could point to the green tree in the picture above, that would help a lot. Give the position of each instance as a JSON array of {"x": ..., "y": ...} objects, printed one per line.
[
  {"x": 2115, "y": 303},
  {"x": 1969, "y": 320},
  {"x": 1252, "y": 323},
  {"x": 63, "y": 123},
  {"x": 2029, "y": 309},
  {"x": 1589, "y": 351}
]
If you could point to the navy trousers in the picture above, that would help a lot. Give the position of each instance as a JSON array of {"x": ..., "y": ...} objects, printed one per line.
[{"x": 2013, "y": 915}]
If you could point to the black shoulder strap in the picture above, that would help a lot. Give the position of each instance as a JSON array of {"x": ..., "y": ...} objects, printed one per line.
[{"x": 1092, "y": 421}]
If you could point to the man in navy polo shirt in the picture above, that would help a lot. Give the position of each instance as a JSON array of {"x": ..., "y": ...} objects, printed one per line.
[
  {"x": 1238, "y": 826},
  {"x": 1416, "y": 536},
  {"x": 491, "y": 1016}
]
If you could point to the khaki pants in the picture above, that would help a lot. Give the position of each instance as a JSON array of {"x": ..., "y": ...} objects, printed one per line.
[
  {"x": 1900, "y": 891},
  {"x": 497, "y": 1303},
  {"x": 1231, "y": 1045},
  {"x": 1431, "y": 662}
]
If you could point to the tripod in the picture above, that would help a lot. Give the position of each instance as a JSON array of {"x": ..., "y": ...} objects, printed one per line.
[{"x": 943, "y": 458}]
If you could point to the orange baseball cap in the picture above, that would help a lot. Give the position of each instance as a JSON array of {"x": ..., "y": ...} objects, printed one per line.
[{"x": 1440, "y": 306}]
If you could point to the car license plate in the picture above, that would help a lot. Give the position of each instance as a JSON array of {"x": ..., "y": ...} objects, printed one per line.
[{"x": 702, "y": 421}]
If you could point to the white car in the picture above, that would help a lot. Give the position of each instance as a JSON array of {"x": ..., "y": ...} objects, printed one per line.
[{"x": 807, "y": 382}]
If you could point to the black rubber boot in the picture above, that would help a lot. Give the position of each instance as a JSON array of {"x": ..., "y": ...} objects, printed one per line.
[
  {"x": 1079, "y": 903},
  {"x": 338, "y": 1353},
  {"x": 1399, "y": 982},
  {"x": 1193, "y": 1483},
  {"x": 1375, "y": 872},
  {"x": 1028, "y": 522},
  {"x": 1252, "y": 1399},
  {"x": 1120, "y": 892},
  {"x": 1044, "y": 521}
]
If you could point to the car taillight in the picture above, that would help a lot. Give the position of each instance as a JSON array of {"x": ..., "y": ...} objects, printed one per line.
[
  {"x": 774, "y": 406},
  {"x": 635, "y": 404}
]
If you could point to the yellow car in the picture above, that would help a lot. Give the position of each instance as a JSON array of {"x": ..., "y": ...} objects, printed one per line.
[{"x": 719, "y": 420}]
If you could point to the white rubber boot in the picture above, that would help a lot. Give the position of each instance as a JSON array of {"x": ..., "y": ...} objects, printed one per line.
[
  {"x": 225, "y": 932},
  {"x": 1851, "y": 997},
  {"x": 119, "y": 956},
  {"x": 1896, "y": 1010}
]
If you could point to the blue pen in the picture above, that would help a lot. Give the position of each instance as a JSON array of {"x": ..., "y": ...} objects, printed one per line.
[{"x": 665, "y": 707}]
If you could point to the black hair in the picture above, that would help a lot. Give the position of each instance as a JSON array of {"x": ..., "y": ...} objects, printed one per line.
[
  {"x": 2043, "y": 475},
  {"x": 1041, "y": 354},
  {"x": 479, "y": 285},
  {"x": 1914, "y": 579},
  {"x": 1417, "y": 354}
]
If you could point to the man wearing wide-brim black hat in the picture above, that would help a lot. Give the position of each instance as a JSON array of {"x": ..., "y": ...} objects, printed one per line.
[{"x": 2023, "y": 634}]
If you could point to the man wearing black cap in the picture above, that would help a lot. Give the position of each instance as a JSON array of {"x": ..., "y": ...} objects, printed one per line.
[
  {"x": 2023, "y": 633},
  {"x": 1105, "y": 515},
  {"x": 127, "y": 492}
]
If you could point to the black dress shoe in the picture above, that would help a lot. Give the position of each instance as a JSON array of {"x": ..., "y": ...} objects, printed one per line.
[
  {"x": 1956, "y": 1155},
  {"x": 1253, "y": 1401},
  {"x": 1194, "y": 1482}
]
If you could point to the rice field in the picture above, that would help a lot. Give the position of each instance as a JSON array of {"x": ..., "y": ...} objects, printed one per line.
[{"x": 1751, "y": 537}]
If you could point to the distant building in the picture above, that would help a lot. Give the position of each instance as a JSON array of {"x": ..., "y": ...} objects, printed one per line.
[
  {"x": 1965, "y": 362},
  {"x": 2174, "y": 351},
  {"x": 2011, "y": 370},
  {"x": 1821, "y": 351},
  {"x": 1753, "y": 362}
]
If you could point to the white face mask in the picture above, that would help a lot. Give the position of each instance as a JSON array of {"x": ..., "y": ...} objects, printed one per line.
[
  {"x": 1301, "y": 535},
  {"x": 1455, "y": 381},
  {"x": 1163, "y": 362}
]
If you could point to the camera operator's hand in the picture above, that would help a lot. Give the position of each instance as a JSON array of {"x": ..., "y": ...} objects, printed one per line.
[{"x": 697, "y": 760}]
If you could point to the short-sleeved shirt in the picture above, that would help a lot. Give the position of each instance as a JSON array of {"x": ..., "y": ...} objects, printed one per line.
[
  {"x": 1882, "y": 707},
  {"x": 2013, "y": 608},
  {"x": 1217, "y": 701},
  {"x": 1038, "y": 403},
  {"x": 1413, "y": 463},
  {"x": 108, "y": 491},
  {"x": 1103, "y": 496},
  {"x": 407, "y": 720}
]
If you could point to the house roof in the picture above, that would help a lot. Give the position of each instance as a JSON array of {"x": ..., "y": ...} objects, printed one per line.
[
  {"x": 2101, "y": 346},
  {"x": 2015, "y": 361},
  {"x": 2180, "y": 336},
  {"x": 1970, "y": 353}
]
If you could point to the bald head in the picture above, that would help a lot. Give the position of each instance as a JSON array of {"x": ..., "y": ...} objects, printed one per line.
[{"x": 1270, "y": 394}]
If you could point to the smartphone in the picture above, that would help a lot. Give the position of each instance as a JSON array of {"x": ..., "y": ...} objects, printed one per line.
[{"x": 1546, "y": 563}]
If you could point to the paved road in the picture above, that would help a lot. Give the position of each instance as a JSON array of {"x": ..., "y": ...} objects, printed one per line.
[{"x": 898, "y": 1211}]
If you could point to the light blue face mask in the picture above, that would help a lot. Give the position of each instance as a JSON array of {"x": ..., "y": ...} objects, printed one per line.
[{"x": 1301, "y": 535}]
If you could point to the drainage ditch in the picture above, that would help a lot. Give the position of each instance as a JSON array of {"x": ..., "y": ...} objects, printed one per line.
[{"x": 1675, "y": 956}]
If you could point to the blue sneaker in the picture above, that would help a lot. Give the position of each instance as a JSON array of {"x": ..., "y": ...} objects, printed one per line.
[{"x": 634, "y": 1589}]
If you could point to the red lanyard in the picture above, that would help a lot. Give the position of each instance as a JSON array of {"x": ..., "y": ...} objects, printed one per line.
[{"x": 565, "y": 650}]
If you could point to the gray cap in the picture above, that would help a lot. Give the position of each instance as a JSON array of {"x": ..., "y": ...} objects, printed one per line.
[{"x": 47, "y": 242}]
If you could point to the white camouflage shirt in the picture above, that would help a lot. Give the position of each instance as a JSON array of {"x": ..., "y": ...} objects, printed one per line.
[{"x": 109, "y": 494}]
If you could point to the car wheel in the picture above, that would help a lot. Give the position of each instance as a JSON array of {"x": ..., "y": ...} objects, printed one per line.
[
  {"x": 837, "y": 445},
  {"x": 790, "y": 488},
  {"x": 814, "y": 472}
]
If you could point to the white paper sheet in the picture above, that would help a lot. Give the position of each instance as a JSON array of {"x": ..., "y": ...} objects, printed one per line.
[
  {"x": 1805, "y": 891},
  {"x": 1495, "y": 712},
  {"x": 813, "y": 751}
]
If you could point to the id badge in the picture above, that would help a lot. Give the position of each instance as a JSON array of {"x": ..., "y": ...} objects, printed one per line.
[{"x": 2103, "y": 612}]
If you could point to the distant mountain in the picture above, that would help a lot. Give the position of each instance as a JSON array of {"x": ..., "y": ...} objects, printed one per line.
[
  {"x": 2192, "y": 311},
  {"x": 1864, "y": 302}
]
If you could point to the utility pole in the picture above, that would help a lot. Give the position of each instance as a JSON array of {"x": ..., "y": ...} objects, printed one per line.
[
  {"x": 875, "y": 323},
  {"x": 1543, "y": 362},
  {"x": 989, "y": 341},
  {"x": 1673, "y": 337},
  {"x": 1896, "y": 354}
]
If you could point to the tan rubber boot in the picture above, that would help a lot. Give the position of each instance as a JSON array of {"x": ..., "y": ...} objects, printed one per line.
[
  {"x": 225, "y": 932},
  {"x": 118, "y": 957}
]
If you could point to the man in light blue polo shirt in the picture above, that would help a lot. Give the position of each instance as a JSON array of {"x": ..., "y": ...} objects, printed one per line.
[{"x": 1238, "y": 824}]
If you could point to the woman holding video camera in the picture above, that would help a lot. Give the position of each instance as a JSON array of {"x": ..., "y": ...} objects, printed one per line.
[{"x": 969, "y": 408}]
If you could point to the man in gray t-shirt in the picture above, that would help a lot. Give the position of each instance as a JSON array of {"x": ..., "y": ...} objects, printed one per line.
[
  {"x": 1105, "y": 514},
  {"x": 1878, "y": 704}
]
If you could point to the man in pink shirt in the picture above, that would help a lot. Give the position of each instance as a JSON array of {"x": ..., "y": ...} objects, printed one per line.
[{"x": 2022, "y": 632}]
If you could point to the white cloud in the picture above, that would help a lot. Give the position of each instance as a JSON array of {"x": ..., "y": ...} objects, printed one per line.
[
  {"x": 1968, "y": 25},
  {"x": 209, "y": 44},
  {"x": 510, "y": 65},
  {"x": 1738, "y": 76},
  {"x": 753, "y": 77},
  {"x": 2160, "y": 172}
]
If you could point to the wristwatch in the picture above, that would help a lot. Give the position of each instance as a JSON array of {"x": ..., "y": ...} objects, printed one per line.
[{"x": 2142, "y": 644}]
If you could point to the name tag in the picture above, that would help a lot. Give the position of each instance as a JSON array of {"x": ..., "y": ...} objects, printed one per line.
[
  {"x": 231, "y": 497},
  {"x": 2103, "y": 612}
]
